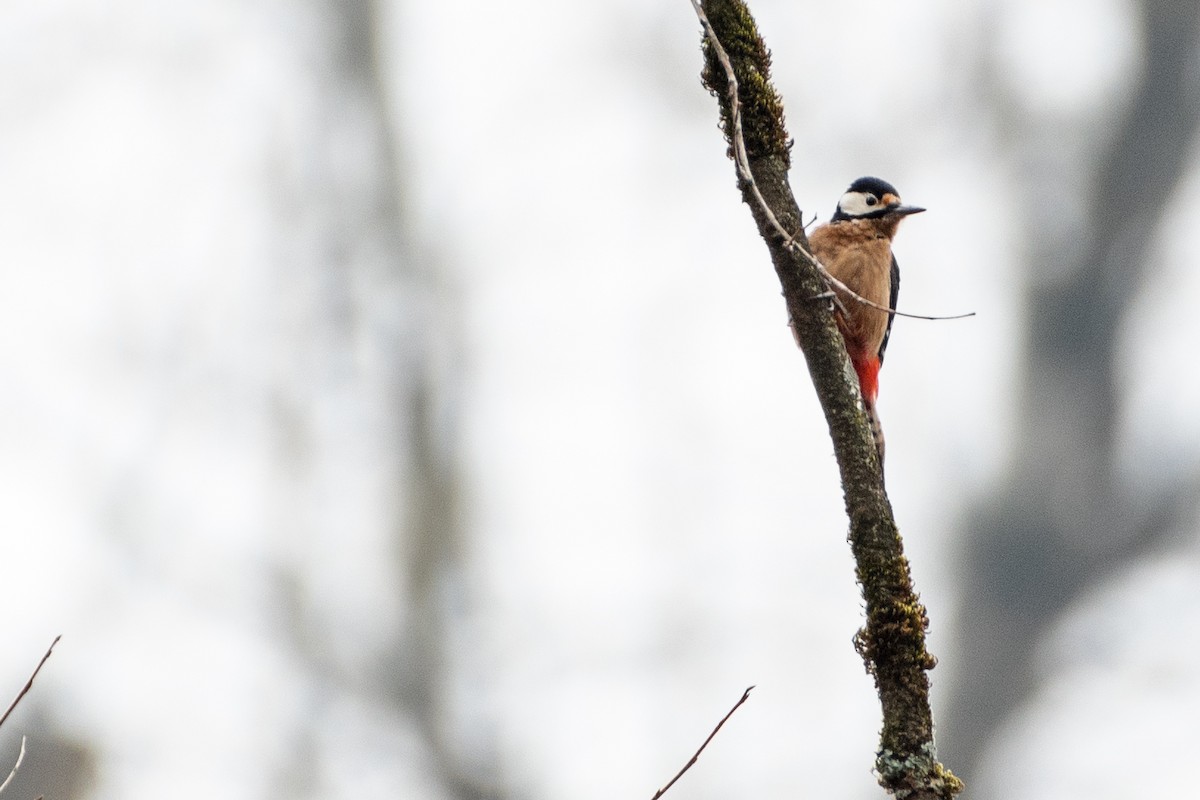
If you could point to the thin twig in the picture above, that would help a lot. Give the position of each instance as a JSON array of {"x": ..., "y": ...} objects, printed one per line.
[
  {"x": 741, "y": 158},
  {"x": 828, "y": 276},
  {"x": 24, "y": 690},
  {"x": 29, "y": 683},
  {"x": 16, "y": 766},
  {"x": 696, "y": 756},
  {"x": 742, "y": 161}
]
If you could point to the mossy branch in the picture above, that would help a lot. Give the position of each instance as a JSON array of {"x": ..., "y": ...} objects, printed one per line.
[{"x": 737, "y": 70}]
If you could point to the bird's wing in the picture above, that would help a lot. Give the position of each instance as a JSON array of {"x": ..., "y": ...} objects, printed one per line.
[{"x": 895, "y": 293}]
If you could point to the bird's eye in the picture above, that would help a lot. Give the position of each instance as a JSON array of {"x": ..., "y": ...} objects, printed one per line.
[{"x": 871, "y": 200}]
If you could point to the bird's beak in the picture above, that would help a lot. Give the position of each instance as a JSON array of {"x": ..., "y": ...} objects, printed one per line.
[{"x": 904, "y": 211}]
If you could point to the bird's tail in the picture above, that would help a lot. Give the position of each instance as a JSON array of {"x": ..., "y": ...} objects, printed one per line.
[
  {"x": 876, "y": 428},
  {"x": 867, "y": 370}
]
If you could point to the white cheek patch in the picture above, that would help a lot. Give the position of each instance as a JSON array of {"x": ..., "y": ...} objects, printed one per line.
[{"x": 855, "y": 204}]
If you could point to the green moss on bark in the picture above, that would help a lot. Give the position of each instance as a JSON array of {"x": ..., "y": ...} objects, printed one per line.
[{"x": 763, "y": 126}]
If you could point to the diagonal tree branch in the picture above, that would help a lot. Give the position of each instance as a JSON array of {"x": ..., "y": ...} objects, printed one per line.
[{"x": 892, "y": 643}]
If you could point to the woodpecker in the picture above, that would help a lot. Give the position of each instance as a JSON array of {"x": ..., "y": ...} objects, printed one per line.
[{"x": 856, "y": 247}]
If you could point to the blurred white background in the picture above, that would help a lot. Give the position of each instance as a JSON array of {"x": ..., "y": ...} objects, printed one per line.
[{"x": 398, "y": 402}]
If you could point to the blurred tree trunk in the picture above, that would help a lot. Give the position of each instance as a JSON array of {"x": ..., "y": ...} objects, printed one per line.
[
  {"x": 392, "y": 290},
  {"x": 1063, "y": 520}
]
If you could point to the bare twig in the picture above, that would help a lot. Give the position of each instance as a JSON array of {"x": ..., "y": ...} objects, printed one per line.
[
  {"x": 828, "y": 276},
  {"x": 740, "y": 158},
  {"x": 29, "y": 683},
  {"x": 24, "y": 690},
  {"x": 742, "y": 161},
  {"x": 696, "y": 756},
  {"x": 16, "y": 766}
]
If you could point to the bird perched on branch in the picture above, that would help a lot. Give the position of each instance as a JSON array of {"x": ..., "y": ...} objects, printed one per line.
[{"x": 856, "y": 247}]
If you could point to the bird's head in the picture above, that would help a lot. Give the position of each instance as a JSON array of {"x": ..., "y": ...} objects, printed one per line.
[{"x": 872, "y": 198}]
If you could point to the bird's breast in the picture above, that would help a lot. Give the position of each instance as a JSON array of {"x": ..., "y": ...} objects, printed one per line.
[{"x": 859, "y": 256}]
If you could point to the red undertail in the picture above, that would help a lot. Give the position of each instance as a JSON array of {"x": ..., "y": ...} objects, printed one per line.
[{"x": 868, "y": 378}]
